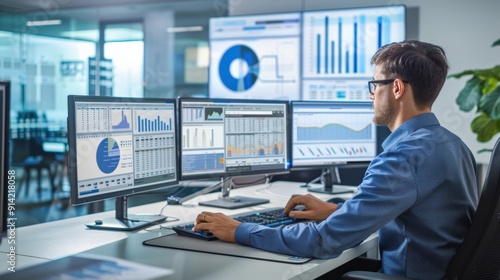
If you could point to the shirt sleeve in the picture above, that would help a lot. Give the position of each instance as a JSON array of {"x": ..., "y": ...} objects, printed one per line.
[{"x": 387, "y": 190}]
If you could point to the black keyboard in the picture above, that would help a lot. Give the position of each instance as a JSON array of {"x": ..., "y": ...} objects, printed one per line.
[{"x": 270, "y": 217}]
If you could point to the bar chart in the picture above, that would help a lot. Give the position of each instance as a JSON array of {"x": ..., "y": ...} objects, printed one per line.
[
  {"x": 340, "y": 43},
  {"x": 202, "y": 137},
  {"x": 153, "y": 120}
]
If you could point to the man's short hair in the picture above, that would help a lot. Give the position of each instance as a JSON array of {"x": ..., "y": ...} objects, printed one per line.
[{"x": 423, "y": 65}]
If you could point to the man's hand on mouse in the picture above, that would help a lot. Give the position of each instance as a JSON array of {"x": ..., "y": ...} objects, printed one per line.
[{"x": 315, "y": 208}]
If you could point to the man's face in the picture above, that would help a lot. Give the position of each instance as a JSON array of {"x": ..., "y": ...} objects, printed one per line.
[{"x": 382, "y": 100}]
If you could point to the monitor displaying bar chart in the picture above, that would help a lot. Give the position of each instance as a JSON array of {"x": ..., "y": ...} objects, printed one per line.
[
  {"x": 119, "y": 147},
  {"x": 124, "y": 144},
  {"x": 337, "y": 47},
  {"x": 229, "y": 137}
]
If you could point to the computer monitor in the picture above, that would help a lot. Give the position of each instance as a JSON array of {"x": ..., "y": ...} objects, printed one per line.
[
  {"x": 326, "y": 134},
  {"x": 337, "y": 46},
  {"x": 7, "y": 177},
  {"x": 255, "y": 56},
  {"x": 119, "y": 147},
  {"x": 223, "y": 138}
]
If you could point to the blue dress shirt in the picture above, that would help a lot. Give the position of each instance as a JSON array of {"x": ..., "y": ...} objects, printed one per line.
[{"x": 420, "y": 194}]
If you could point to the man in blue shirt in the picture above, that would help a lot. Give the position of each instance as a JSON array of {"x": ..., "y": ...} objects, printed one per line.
[{"x": 420, "y": 193}]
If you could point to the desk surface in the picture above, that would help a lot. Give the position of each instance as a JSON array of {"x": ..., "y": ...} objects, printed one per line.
[{"x": 62, "y": 238}]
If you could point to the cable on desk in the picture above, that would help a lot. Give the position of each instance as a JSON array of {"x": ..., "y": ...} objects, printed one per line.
[
  {"x": 159, "y": 224},
  {"x": 264, "y": 179}
]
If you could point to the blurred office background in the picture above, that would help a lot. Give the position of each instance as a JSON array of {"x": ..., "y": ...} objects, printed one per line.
[{"x": 50, "y": 49}]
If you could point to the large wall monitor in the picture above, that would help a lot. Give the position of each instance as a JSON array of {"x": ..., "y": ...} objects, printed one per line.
[
  {"x": 222, "y": 138},
  {"x": 311, "y": 55},
  {"x": 328, "y": 133},
  {"x": 7, "y": 179},
  {"x": 120, "y": 147},
  {"x": 337, "y": 46},
  {"x": 255, "y": 56}
]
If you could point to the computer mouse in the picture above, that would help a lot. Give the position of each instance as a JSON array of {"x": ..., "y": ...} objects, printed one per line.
[
  {"x": 336, "y": 200},
  {"x": 98, "y": 222}
]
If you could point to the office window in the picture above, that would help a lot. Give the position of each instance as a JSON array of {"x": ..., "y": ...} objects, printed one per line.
[{"x": 55, "y": 55}]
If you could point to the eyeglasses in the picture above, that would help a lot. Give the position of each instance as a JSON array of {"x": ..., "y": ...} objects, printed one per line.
[{"x": 372, "y": 85}]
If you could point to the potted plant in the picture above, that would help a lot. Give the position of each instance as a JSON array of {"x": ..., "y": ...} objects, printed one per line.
[{"x": 482, "y": 91}]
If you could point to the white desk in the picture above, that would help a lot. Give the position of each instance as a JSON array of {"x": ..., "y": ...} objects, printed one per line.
[{"x": 58, "y": 239}]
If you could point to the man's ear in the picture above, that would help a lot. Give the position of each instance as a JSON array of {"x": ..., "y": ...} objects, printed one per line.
[{"x": 398, "y": 88}]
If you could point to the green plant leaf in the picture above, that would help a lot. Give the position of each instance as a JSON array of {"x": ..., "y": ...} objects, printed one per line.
[
  {"x": 470, "y": 95},
  {"x": 485, "y": 74},
  {"x": 490, "y": 104},
  {"x": 485, "y": 127},
  {"x": 496, "y": 43},
  {"x": 464, "y": 73},
  {"x": 490, "y": 85}
]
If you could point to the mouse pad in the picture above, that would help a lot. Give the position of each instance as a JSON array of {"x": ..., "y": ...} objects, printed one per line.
[{"x": 175, "y": 241}]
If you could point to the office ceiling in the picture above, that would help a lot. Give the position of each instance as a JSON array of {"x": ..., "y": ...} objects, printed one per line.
[
  {"x": 53, "y": 6},
  {"x": 83, "y": 15}
]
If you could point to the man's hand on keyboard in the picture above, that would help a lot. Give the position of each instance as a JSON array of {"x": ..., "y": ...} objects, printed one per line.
[
  {"x": 218, "y": 224},
  {"x": 315, "y": 208}
]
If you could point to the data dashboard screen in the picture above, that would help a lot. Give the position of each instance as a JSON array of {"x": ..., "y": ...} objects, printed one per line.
[
  {"x": 332, "y": 132},
  {"x": 337, "y": 47},
  {"x": 255, "y": 56},
  {"x": 310, "y": 55},
  {"x": 121, "y": 146},
  {"x": 233, "y": 137}
]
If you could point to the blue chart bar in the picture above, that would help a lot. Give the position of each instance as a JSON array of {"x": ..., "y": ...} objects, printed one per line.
[
  {"x": 355, "y": 49},
  {"x": 379, "y": 34},
  {"x": 318, "y": 52},
  {"x": 326, "y": 45},
  {"x": 340, "y": 45},
  {"x": 333, "y": 56},
  {"x": 147, "y": 125}
]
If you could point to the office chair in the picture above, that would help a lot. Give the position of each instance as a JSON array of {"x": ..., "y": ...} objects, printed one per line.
[
  {"x": 479, "y": 255},
  {"x": 28, "y": 155}
]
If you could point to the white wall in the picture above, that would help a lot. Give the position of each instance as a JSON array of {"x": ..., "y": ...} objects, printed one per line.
[{"x": 465, "y": 29}]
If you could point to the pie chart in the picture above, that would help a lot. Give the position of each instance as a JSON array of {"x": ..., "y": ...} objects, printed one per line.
[
  {"x": 239, "y": 68},
  {"x": 108, "y": 155}
]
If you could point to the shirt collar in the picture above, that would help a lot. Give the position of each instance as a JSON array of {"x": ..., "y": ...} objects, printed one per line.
[{"x": 411, "y": 125}]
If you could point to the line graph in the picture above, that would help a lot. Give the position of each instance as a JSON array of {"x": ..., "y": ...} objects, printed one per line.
[
  {"x": 333, "y": 131},
  {"x": 333, "y": 127}
]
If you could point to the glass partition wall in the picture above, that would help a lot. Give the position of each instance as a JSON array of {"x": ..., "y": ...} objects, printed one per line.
[{"x": 134, "y": 50}]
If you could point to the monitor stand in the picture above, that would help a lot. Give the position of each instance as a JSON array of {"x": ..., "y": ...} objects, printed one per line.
[
  {"x": 234, "y": 202},
  {"x": 123, "y": 221},
  {"x": 329, "y": 178}
]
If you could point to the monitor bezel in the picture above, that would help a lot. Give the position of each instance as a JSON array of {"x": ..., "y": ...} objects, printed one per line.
[
  {"x": 338, "y": 163},
  {"x": 5, "y": 157},
  {"x": 72, "y": 159},
  {"x": 219, "y": 175}
]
